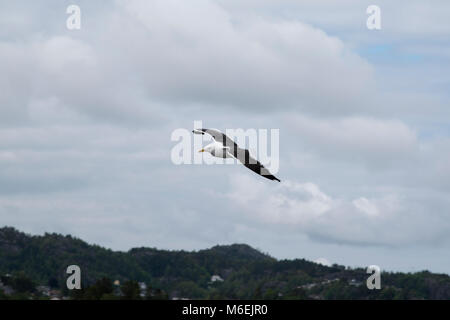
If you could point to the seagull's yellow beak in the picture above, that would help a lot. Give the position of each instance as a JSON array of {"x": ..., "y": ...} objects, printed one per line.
[{"x": 203, "y": 150}]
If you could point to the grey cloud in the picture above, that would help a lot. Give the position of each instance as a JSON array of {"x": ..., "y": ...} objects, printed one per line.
[
  {"x": 174, "y": 53},
  {"x": 255, "y": 63},
  {"x": 375, "y": 142}
]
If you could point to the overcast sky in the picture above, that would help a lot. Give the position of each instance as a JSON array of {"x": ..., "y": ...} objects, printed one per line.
[{"x": 86, "y": 118}]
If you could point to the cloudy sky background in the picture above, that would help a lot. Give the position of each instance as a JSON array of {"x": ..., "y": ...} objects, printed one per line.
[{"x": 86, "y": 118}]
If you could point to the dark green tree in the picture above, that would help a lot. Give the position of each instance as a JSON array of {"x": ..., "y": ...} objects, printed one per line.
[
  {"x": 130, "y": 290},
  {"x": 21, "y": 283},
  {"x": 99, "y": 290}
]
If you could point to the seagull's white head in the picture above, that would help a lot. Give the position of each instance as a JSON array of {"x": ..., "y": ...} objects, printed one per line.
[{"x": 209, "y": 148}]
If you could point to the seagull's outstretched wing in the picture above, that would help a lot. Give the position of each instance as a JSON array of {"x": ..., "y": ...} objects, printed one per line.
[
  {"x": 243, "y": 155},
  {"x": 219, "y": 137}
]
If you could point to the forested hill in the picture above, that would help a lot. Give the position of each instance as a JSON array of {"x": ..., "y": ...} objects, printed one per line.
[{"x": 232, "y": 272}]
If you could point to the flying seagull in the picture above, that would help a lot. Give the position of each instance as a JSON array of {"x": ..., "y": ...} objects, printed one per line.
[{"x": 224, "y": 147}]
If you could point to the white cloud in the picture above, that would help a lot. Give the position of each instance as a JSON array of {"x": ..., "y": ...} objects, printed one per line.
[
  {"x": 303, "y": 207},
  {"x": 364, "y": 205}
]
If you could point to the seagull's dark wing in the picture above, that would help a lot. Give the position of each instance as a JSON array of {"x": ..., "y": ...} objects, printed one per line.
[{"x": 243, "y": 155}]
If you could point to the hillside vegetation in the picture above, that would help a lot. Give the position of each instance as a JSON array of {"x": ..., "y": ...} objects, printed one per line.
[{"x": 240, "y": 271}]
